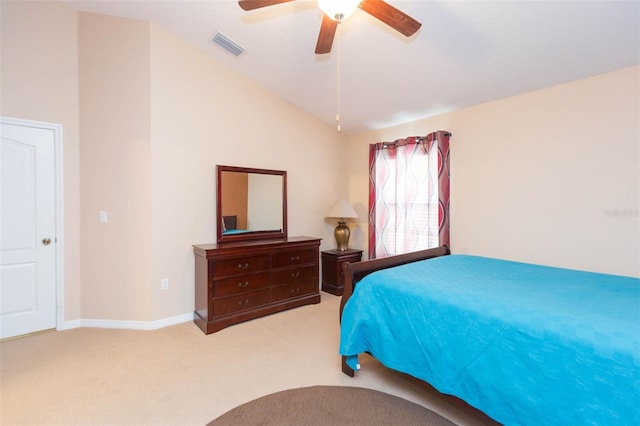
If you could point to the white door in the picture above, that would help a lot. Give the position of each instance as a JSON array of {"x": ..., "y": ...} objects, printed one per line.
[{"x": 27, "y": 230}]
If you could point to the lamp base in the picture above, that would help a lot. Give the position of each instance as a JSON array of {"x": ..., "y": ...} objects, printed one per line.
[{"x": 342, "y": 234}]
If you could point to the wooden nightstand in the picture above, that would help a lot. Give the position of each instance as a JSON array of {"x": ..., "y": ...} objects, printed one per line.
[{"x": 332, "y": 274}]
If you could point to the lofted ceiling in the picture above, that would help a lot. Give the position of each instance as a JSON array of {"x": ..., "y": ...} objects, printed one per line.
[{"x": 465, "y": 53}]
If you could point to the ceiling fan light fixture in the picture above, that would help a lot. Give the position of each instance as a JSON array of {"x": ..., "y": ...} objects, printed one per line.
[{"x": 338, "y": 10}]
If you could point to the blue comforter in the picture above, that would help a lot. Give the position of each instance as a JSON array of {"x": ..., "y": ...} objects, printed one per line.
[{"x": 526, "y": 344}]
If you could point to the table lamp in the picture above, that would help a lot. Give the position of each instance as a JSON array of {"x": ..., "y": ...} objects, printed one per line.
[{"x": 342, "y": 210}]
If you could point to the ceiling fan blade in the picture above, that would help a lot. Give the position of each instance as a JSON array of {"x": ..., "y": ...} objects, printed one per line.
[
  {"x": 257, "y": 4},
  {"x": 327, "y": 33},
  {"x": 391, "y": 16}
]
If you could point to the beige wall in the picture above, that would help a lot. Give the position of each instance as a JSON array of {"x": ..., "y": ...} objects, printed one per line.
[
  {"x": 156, "y": 116},
  {"x": 203, "y": 114},
  {"x": 39, "y": 81},
  {"x": 549, "y": 177},
  {"x": 115, "y": 163}
]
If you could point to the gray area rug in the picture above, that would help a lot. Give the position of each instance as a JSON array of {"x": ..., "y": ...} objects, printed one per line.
[{"x": 330, "y": 405}]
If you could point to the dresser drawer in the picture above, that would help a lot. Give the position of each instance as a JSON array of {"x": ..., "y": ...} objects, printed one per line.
[
  {"x": 240, "y": 265},
  {"x": 233, "y": 304},
  {"x": 292, "y": 258},
  {"x": 302, "y": 273},
  {"x": 294, "y": 289},
  {"x": 240, "y": 284}
]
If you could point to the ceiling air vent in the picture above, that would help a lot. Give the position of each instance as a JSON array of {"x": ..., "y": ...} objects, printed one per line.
[{"x": 227, "y": 44}]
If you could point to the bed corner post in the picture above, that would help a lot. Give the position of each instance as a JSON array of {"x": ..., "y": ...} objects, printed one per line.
[
  {"x": 349, "y": 283},
  {"x": 346, "y": 369},
  {"x": 348, "y": 290}
]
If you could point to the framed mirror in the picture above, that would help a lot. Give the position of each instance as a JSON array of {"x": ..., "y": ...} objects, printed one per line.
[{"x": 250, "y": 203}]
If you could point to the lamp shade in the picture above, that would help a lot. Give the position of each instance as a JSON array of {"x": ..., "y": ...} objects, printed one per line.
[{"x": 342, "y": 209}]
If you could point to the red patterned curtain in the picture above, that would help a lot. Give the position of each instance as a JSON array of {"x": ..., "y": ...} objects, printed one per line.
[{"x": 409, "y": 194}]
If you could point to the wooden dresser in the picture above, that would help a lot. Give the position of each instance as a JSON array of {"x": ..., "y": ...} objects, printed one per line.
[{"x": 239, "y": 281}]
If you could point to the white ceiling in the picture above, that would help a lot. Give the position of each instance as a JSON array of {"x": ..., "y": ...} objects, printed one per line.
[{"x": 466, "y": 53}]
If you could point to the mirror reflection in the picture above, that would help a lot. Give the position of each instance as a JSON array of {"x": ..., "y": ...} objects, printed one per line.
[{"x": 251, "y": 203}]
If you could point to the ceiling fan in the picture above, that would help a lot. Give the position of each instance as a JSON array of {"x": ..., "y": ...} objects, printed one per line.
[{"x": 335, "y": 11}]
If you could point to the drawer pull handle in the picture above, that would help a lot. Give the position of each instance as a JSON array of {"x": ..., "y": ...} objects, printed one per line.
[
  {"x": 241, "y": 266},
  {"x": 295, "y": 274},
  {"x": 294, "y": 258},
  {"x": 243, "y": 302},
  {"x": 243, "y": 284},
  {"x": 294, "y": 291}
]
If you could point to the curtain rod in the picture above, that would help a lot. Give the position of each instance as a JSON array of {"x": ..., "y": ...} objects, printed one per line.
[
  {"x": 394, "y": 143},
  {"x": 424, "y": 137}
]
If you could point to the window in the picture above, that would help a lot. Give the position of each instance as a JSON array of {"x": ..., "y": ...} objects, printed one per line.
[{"x": 408, "y": 194}]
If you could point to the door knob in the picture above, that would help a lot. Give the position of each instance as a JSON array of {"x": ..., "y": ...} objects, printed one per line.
[{"x": 46, "y": 241}]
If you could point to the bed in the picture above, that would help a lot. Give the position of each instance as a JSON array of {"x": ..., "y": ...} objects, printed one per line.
[
  {"x": 230, "y": 226},
  {"x": 524, "y": 343}
]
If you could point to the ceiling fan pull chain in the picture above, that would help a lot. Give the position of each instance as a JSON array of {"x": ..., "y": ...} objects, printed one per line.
[{"x": 338, "y": 82}]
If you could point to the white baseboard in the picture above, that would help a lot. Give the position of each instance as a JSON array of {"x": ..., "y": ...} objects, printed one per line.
[{"x": 134, "y": 325}]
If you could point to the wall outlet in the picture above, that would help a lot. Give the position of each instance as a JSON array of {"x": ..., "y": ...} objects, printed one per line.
[
  {"x": 164, "y": 284},
  {"x": 103, "y": 216}
]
